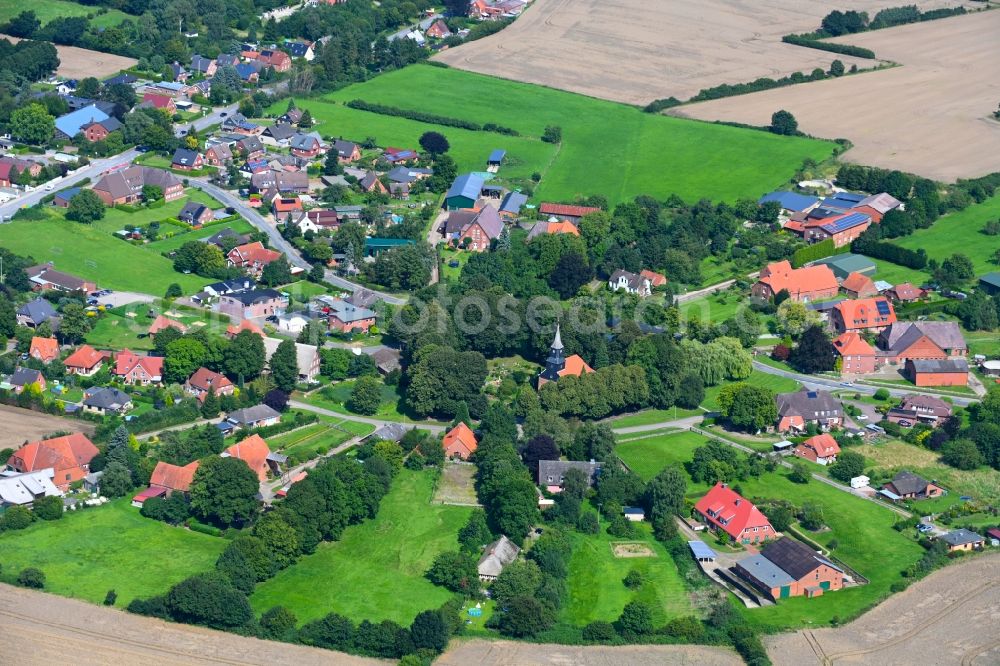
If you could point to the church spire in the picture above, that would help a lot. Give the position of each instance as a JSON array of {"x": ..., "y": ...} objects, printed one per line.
[{"x": 557, "y": 342}]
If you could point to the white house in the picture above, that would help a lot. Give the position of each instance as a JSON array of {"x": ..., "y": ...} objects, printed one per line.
[
  {"x": 860, "y": 482},
  {"x": 23, "y": 489},
  {"x": 292, "y": 322},
  {"x": 631, "y": 283},
  {"x": 634, "y": 513}
]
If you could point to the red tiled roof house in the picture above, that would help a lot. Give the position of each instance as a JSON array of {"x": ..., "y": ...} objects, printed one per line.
[
  {"x": 69, "y": 456},
  {"x": 810, "y": 283},
  {"x": 822, "y": 449},
  {"x": 726, "y": 511},
  {"x": 460, "y": 442}
]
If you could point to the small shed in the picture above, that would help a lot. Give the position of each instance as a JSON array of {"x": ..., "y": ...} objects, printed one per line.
[
  {"x": 784, "y": 446},
  {"x": 701, "y": 552},
  {"x": 990, "y": 368},
  {"x": 634, "y": 513},
  {"x": 990, "y": 283},
  {"x": 860, "y": 481},
  {"x": 495, "y": 159}
]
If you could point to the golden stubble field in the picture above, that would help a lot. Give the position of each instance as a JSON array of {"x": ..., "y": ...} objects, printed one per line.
[
  {"x": 932, "y": 115},
  {"x": 635, "y": 51},
  {"x": 77, "y": 63}
]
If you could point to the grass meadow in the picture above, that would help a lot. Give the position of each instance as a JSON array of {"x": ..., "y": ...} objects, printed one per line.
[
  {"x": 961, "y": 233},
  {"x": 376, "y": 571},
  {"x": 51, "y": 9},
  {"x": 757, "y": 378},
  {"x": 92, "y": 551},
  {"x": 607, "y": 148}
]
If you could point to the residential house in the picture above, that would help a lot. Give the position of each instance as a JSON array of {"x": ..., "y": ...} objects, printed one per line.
[
  {"x": 22, "y": 378},
  {"x": 291, "y": 117},
  {"x": 438, "y": 30},
  {"x": 843, "y": 229},
  {"x": 45, "y": 350},
  {"x": 125, "y": 186},
  {"x": 460, "y": 442},
  {"x": 496, "y": 556},
  {"x": 963, "y": 540},
  {"x": 866, "y": 314},
  {"x": 227, "y": 287},
  {"x": 406, "y": 174},
  {"x": 655, "y": 279},
  {"x": 35, "y": 313},
  {"x": 257, "y": 416},
  {"x": 307, "y": 358},
  {"x": 252, "y": 257},
  {"x": 24, "y": 489},
  {"x": 347, "y": 151},
  {"x": 257, "y": 455},
  {"x": 278, "y": 134},
  {"x": 180, "y": 75},
  {"x": 253, "y": 304},
  {"x": 44, "y": 276},
  {"x": 857, "y": 356},
  {"x": 70, "y": 124},
  {"x": 168, "y": 479},
  {"x": 631, "y": 283},
  {"x": 558, "y": 366},
  {"x": 280, "y": 181},
  {"x": 727, "y": 511},
  {"x": 204, "y": 380},
  {"x": 392, "y": 432},
  {"x": 546, "y": 228},
  {"x": 552, "y": 473},
  {"x": 69, "y": 456},
  {"x": 317, "y": 220},
  {"x": 362, "y": 298},
  {"x": 186, "y": 160},
  {"x": 920, "y": 409},
  {"x": 246, "y": 325},
  {"x": 251, "y": 147},
  {"x": 100, "y": 129},
  {"x": 134, "y": 369},
  {"x": 196, "y": 214},
  {"x": 474, "y": 230},
  {"x": 394, "y": 155},
  {"x": 858, "y": 285},
  {"x": 306, "y": 146},
  {"x": 567, "y": 212},
  {"x": 927, "y": 340},
  {"x": 907, "y": 485},
  {"x": 302, "y": 50},
  {"x": 787, "y": 568},
  {"x": 161, "y": 322},
  {"x": 122, "y": 79},
  {"x": 345, "y": 317},
  {"x": 822, "y": 449},
  {"x": 790, "y": 202},
  {"x": 464, "y": 191},
  {"x": 85, "y": 361},
  {"x": 278, "y": 60},
  {"x": 511, "y": 205},
  {"x": 809, "y": 283},
  {"x": 105, "y": 401},
  {"x": 905, "y": 293},
  {"x": 797, "y": 410},
  {"x": 938, "y": 372},
  {"x": 219, "y": 154},
  {"x": 371, "y": 183},
  {"x": 158, "y": 101},
  {"x": 249, "y": 71},
  {"x": 283, "y": 206},
  {"x": 203, "y": 65}
]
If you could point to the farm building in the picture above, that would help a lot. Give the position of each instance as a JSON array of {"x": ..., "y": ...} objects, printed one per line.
[
  {"x": 69, "y": 456},
  {"x": 787, "y": 568},
  {"x": 701, "y": 552},
  {"x": 464, "y": 192},
  {"x": 23, "y": 489},
  {"x": 790, "y": 202},
  {"x": 843, "y": 265},
  {"x": 857, "y": 356},
  {"x": 727, "y": 511},
  {"x": 634, "y": 514},
  {"x": 990, "y": 283},
  {"x": 943, "y": 372},
  {"x": 802, "y": 284},
  {"x": 495, "y": 557}
]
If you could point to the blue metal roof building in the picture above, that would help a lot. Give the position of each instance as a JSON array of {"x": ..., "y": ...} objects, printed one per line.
[
  {"x": 790, "y": 200},
  {"x": 464, "y": 192},
  {"x": 496, "y": 157},
  {"x": 71, "y": 123},
  {"x": 701, "y": 552}
]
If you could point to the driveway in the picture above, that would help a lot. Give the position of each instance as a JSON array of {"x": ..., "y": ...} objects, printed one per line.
[{"x": 117, "y": 299}]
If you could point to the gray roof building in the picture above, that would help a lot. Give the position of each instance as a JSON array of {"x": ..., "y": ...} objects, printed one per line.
[
  {"x": 810, "y": 405},
  {"x": 391, "y": 431},
  {"x": 938, "y": 366},
  {"x": 280, "y": 131},
  {"x": 553, "y": 472},
  {"x": 962, "y": 537},
  {"x": 37, "y": 311},
  {"x": 908, "y": 483},
  {"x": 106, "y": 399},
  {"x": 497, "y": 555},
  {"x": 185, "y": 157},
  {"x": 248, "y": 416},
  {"x": 386, "y": 360},
  {"x": 901, "y": 334},
  {"x": 843, "y": 265},
  {"x": 25, "y": 377}
]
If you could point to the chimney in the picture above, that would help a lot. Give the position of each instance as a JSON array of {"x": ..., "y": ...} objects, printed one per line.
[{"x": 737, "y": 502}]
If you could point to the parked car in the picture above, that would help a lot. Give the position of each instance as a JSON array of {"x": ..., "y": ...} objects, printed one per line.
[
  {"x": 861, "y": 417},
  {"x": 924, "y": 528}
]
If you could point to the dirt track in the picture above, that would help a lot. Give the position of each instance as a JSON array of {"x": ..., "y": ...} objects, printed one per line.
[
  {"x": 507, "y": 653},
  {"x": 41, "y": 629},
  {"x": 635, "y": 51},
  {"x": 930, "y": 116},
  {"x": 18, "y": 426},
  {"x": 951, "y": 617}
]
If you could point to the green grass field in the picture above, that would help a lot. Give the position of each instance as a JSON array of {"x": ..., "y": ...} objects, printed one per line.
[
  {"x": 757, "y": 378},
  {"x": 596, "y": 591},
  {"x": 91, "y": 551},
  {"x": 50, "y": 9},
  {"x": 961, "y": 233},
  {"x": 715, "y": 308},
  {"x": 607, "y": 148},
  {"x": 646, "y": 456},
  {"x": 313, "y": 440},
  {"x": 180, "y": 236},
  {"x": 376, "y": 571},
  {"x": 651, "y": 416},
  {"x": 116, "y": 330}
]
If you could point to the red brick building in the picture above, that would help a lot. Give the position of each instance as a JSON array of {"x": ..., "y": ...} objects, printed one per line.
[
  {"x": 946, "y": 372},
  {"x": 727, "y": 511},
  {"x": 460, "y": 442},
  {"x": 69, "y": 456},
  {"x": 857, "y": 356},
  {"x": 809, "y": 283},
  {"x": 874, "y": 314},
  {"x": 787, "y": 568}
]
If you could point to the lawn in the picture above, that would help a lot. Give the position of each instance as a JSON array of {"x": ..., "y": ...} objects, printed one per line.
[
  {"x": 116, "y": 330},
  {"x": 181, "y": 236},
  {"x": 376, "y": 571},
  {"x": 596, "y": 591},
  {"x": 453, "y": 272},
  {"x": 335, "y": 397},
  {"x": 306, "y": 443},
  {"x": 757, "y": 378},
  {"x": 51, "y": 9},
  {"x": 607, "y": 148},
  {"x": 651, "y": 416},
  {"x": 961, "y": 233},
  {"x": 715, "y": 308},
  {"x": 116, "y": 219},
  {"x": 92, "y": 551},
  {"x": 646, "y": 456},
  {"x": 896, "y": 274},
  {"x": 983, "y": 342}
]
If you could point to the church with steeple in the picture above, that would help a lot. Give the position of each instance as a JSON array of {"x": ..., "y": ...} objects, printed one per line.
[{"x": 558, "y": 366}]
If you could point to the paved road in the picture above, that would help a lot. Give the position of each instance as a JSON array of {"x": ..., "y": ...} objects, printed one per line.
[
  {"x": 378, "y": 423},
  {"x": 213, "y": 118},
  {"x": 92, "y": 171},
  {"x": 811, "y": 381}
]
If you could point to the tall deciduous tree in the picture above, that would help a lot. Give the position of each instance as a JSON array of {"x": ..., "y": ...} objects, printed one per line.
[
  {"x": 224, "y": 491},
  {"x": 85, "y": 207},
  {"x": 32, "y": 124},
  {"x": 245, "y": 356},
  {"x": 284, "y": 366}
]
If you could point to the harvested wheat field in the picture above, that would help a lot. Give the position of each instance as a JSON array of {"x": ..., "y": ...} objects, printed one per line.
[
  {"x": 41, "y": 629},
  {"x": 930, "y": 116},
  {"x": 77, "y": 63},
  {"x": 23, "y": 425},
  {"x": 635, "y": 51},
  {"x": 950, "y": 617},
  {"x": 508, "y": 653}
]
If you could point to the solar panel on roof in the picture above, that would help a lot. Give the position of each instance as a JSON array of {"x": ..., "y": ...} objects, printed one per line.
[
  {"x": 883, "y": 308},
  {"x": 812, "y": 395}
]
